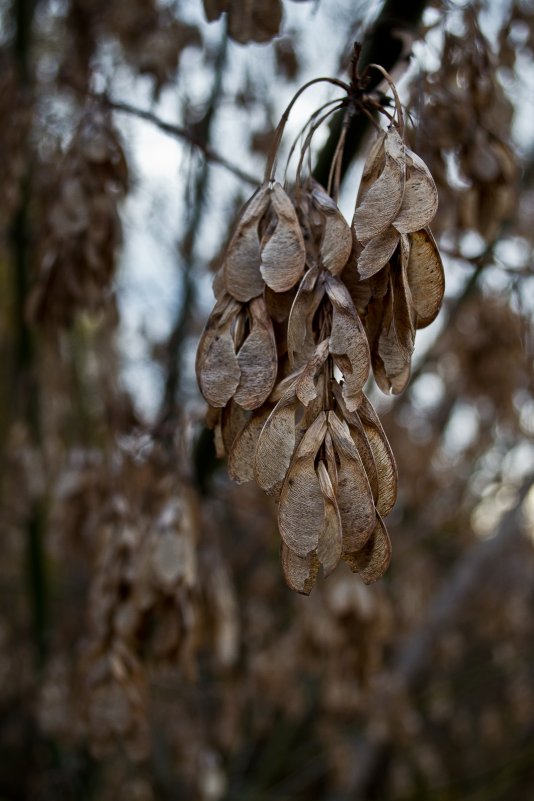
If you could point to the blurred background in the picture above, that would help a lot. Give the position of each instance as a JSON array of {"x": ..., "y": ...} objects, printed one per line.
[{"x": 149, "y": 648}]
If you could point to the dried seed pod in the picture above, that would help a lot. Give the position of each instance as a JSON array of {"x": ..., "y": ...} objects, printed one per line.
[
  {"x": 300, "y": 573},
  {"x": 420, "y": 198},
  {"x": 348, "y": 344},
  {"x": 276, "y": 444},
  {"x": 301, "y": 510},
  {"x": 354, "y": 495},
  {"x": 336, "y": 241},
  {"x": 330, "y": 537},
  {"x": 283, "y": 254},
  {"x": 426, "y": 278},
  {"x": 257, "y": 359},
  {"x": 217, "y": 368},
  {"x": 383, "y": 457},
  {"x": 300, "y": 336},
  {"x": 305, "y": 386},
  {"x": 377, "y": 253},
  {"x": 372, "y": 561},
  {"x": 242, "y": 451},
  {"x": 380, "y": 204},
  {"x": 241, "y": 267}
]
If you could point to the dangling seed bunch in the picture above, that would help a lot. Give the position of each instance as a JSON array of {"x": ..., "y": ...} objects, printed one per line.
[{"x": 305, "y": 304}]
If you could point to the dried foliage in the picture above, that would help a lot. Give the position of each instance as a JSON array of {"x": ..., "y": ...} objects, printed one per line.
[
  {"x": 149, "y": 648},
  {"x": 465, "y": 120},
  {"x": 288, "y": 344},
  {"x": 82, "y": 228}
]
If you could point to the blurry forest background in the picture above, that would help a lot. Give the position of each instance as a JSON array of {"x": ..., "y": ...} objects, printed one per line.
[{"x": 149, "y": 647}]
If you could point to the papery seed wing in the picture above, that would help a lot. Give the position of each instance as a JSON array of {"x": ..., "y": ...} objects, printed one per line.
[
  {"x": 330, "y": 537},
  {"x": 366, "y": 455},
  {"x": 306, "y": 385},
  {"x": 257, "y": 359},
  {"x": 276, "y": 444},
  {"x": 300, "y": 338},
  {"x": 300, "y": 573},
  {"x": 301, "y": 510},
  {"x": 233, "y": 420},
  {"x": 359, "y": 438},
  {"x": 217, "y": 368},
  {"x": 314, "y": 408},
  {"x": 354, "y": 497},
  {"x": 372, "y": 561},
  {"x": 392, "y": 357},
  {"x": 383, "y": 457},
  {"x": 403, "y": 307},
  {"x": 381, "y": 203},
  {"x": 241, "y": 267},
  {"x": 374, "y": 164},
  {"x": 348, "y": 343},
  {"x": 425, "y": 277},
  {"x": 282, "y": 253},
  {"x": 242, "y": 452},
  {"x": 331, "y": 464},
  {"x": 377, "y": 252},
  {"x": 420, "y": 199},
  {"x": 336, "y": 242}
]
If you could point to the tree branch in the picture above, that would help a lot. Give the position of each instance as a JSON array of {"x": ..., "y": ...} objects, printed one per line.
[
  {"x": 385, "y": 44},
  {"x": 182, "y": 133}
]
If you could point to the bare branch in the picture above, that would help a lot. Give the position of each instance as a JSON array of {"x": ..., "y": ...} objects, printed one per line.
[{"x": 182, "y": 133}]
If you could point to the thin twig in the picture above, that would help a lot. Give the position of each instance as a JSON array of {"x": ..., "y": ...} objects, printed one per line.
[{"x": 181, "y": 133}]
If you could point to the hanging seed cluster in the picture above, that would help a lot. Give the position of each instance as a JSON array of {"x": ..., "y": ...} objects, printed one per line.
[{"x": 305, "y": 305}]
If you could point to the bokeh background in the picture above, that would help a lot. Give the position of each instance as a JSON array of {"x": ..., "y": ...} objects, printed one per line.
[{"x": 149, "y": 648}]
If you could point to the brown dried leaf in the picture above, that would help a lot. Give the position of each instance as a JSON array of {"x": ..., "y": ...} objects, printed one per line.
[
  {"x": 217, "y": 368},
  {"x": 276, "y": 444},
  {"x": 348, "y": 343},
  {"x": 301, "y": 510},
  {"x": 426, "y": 277},
  {"x": 242, "y": 453},
  {"x": 300, "y": 573},
  {"x": 257, "y": 359},
  {"x": 282, "y": 253},
  {"x": 381, "y": 203},
  {"x": 377, "y": 253},
  {"x": 372, "y": 561},
  {"x": 354, "y": 496},
  {"x": 242, "y": 261},
  {"x": 330, "y": 538},
  {"x": 420, "y": 199},
  {"x": 336, "y": 242}
]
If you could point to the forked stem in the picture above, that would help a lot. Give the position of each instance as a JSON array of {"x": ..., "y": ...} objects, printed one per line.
[{"x": 271, "y": 159}]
